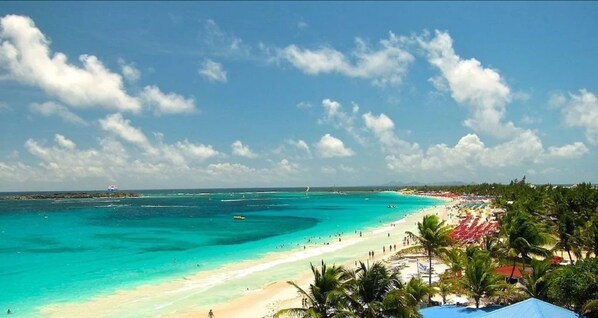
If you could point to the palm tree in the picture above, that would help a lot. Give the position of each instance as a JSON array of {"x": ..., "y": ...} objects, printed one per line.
[
  {"x": 523, "y": 236},
  {"x": 432, "y": 235},
  {"x": 322, "y": 296},
  {"x": 566, "y": 230},
  {"x": 536, "y": 284},
  {"x": 418, "y": 290},
  {"x": 455, "y": 259},
  {"x": 374, "y": 292},
  {"x": 479, "y": 279}
]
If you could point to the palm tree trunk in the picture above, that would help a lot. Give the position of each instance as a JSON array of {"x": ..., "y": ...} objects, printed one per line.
[
  {"x": 570, "y": 259},
  {"x": 513, "y": 270},
  {"x": 430, "y": 275},
  {"x": 430, "y": 268},
  {"x": 477, "y": 302}
]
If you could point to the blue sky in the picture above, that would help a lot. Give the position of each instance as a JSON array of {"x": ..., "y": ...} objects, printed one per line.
[{"x": 210, "y": 94}]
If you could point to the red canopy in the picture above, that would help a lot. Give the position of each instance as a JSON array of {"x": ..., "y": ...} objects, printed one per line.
[{"x": 506, "y": 271}]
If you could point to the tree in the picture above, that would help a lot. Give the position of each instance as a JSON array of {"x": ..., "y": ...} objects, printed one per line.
[
  {"x": 523, "y": 236},
  {"x": 566, "y": 230},
  {"x": 574, "y": 286},
  {"x": 455, "y": 259},
  {"x": 479, "y": 279},
  {"x": 373, "y": 292},
  {"x": 418, "y": 290},
  {"x": 322, "y": 296},
  {"x": 537, "y": 283},
  {"x": 432, "y": 235}
]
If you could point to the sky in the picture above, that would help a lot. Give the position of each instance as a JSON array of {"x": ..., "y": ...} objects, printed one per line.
[{"x": 148, "y": 95}]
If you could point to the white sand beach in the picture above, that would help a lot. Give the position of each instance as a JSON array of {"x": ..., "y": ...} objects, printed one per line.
[{"x": 258, "y": 287}]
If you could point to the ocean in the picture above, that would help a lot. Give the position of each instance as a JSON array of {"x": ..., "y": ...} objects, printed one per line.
[{"x": 56, "y": 251}]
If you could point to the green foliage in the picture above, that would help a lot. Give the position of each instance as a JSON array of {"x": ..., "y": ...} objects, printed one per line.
[
  {"x": 323, "y": 294},
  {"x": 574, "y": 286},
  {"x": 368, "y": 292},
  {"x": 433, "y": 236},
  {"x": 480, "y": 279},
  {"x": 536, "y": 283}
]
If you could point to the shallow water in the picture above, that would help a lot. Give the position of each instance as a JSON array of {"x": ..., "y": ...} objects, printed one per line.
[{"x": 69, "y": 250}]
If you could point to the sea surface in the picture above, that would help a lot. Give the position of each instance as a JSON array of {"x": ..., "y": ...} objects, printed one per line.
[{"x": 54, "y": 251}]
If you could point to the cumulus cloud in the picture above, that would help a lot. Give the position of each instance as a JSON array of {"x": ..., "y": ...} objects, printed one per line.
[
  {"x": 117, "y": 125},
  {"x": 338, "y": 118},
  {"x": 385, "y": 65},
  {"x": 580, "y": 110},
  {"x": 54, "y": 109},
  {"x": 64, "y": 142},
  {"x": 481, "y": 89},
  {"x": 242, "y": 150},
  {"x": 169, "y": 103},
  {"x": 129, "y": 71},
  {"x": 213, "y": 71},
  {"x": 469, "y": 152},
  {"x": 575, "y": 150},
  {"x": 383, "y": 129},
  {"x": 26, "y": 57},
  {"x": 329, "y": 147}
]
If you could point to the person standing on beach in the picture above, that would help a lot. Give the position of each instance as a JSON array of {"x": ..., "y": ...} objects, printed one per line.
[{"x": 210, "y": 314}]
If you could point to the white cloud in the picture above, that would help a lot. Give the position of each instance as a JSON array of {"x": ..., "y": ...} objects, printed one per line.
[
  {"x": 385, "y": 66},
  {"x": 580, "y": 110},
  {"x": 298, "y": 150},
  {"x": 170, "y": 103},
  {"x": 303, "y": 105},
  {"x": 481, "y": 89},
  {"x": 213, "y": 71},
  {"x": 242, "y": 151},
  {"x": 470, "y": 153},
  {"x": 383, "y": 128},
  {"x": 575, "y": 150},
  {"x": 64, "y": 142},
  {"x": 329, "y": 147},
  {"x": 335, "y": 116},
  {"x": 54, "y": 109},
  {"x": 26, "y": 56},
  {"x": 228, "y": 169},
  {"x": 221, "y": 43},
  {"x": 196, "y": 151},
  {"x": 129, "y": 71},
  {"x": 117, "y": 125}
]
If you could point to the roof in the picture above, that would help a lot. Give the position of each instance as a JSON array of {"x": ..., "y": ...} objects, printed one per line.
[
  {"x": 455, "y": 312},
  {"x": 506, "y": 271},
  {"x": 531, "y": 308}
]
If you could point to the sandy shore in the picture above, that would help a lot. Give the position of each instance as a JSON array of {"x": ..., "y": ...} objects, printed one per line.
[{"x": 258, "y": 287}]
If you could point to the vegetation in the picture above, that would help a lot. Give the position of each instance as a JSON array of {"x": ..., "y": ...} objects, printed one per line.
[
  {"x": 433, "y": 236},
  {"x": 538, "y": 222},
  {"x": 480, "y": 279},
  {"x": 368, "y": 292}
]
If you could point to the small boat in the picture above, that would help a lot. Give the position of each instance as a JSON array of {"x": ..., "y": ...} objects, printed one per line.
[{"x": 239, "y": 217}]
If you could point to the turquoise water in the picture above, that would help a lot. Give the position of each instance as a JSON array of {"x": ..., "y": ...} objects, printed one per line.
[{"x": 55, "y": 251}]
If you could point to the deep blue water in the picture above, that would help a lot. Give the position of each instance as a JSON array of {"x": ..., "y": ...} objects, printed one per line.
[{"x": 64, "y": 250}]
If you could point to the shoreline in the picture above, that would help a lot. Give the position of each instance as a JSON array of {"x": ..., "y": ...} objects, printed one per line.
[{"x": 258, "y": 287}]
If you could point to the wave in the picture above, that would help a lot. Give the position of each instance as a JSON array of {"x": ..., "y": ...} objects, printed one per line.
[
  {"x": 167, "y": 206},
  {"x": 111, "y": 206}
]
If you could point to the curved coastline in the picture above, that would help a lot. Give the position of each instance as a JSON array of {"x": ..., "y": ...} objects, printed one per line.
[{"x": 225, "y": 286}]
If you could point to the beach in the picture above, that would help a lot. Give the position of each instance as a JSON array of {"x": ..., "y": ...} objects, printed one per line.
[{"x": 259, "y": 286}]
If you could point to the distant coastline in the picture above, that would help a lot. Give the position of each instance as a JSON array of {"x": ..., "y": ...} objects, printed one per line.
[{"x": 69, "y": 195}]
